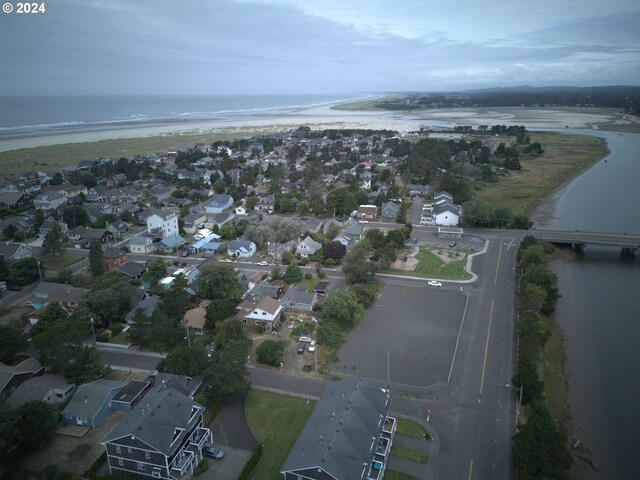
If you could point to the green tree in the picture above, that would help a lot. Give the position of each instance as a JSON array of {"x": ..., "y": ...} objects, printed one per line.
[
  {"x": 227, "y": 372},
  {"x": 53, "y": 243},
  {"x": 184, "y": 360},
  {"x": 304, "y": 207},
  {"x": 8, "y": 433},
  {"x": 175, "y": 300},
  {"x": 85, "y": 365},
  {"x": 13, "y": 340},
  {"x": 527, "y": 377},
  {"x": 219, "y": 186},
  {"x": 293, "y": 274},
  {"x": 156, "y": 271},
  {"x": 38, "y": 422},
  {"x": 109, "y": 300},
  {"x": 357, "y": 267},
  {"x": 75, "y": 215},
  {"x": 541, "y": 275},
  {"x": 23, "y": 270},
  {"x": 342, "y": 308},
  {"x": 4, "y": 268},
  {"x": 96, "y": 259},
  {"x": 342, "y": 201},
  {"x": 269, "y": 352},
  {"x": 540, "y": 449}
]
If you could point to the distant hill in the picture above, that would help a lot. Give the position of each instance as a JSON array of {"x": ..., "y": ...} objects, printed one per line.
[{"x": 624, "y": 97}]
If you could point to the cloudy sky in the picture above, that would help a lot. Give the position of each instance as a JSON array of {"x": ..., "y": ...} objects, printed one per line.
[{"x": 316, "y": 46}]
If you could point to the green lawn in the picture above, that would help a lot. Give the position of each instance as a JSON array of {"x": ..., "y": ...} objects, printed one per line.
[
  {"x": 393, "y": 475},
  {"x": 410, "y": 454},
  {"x": 58, "y": 263},
  {"x": 309, "y": 284},
  {"x": 411, "y": 429},
  {"x": 276, "y": 422},
  {"x": 431, "y": 266}
]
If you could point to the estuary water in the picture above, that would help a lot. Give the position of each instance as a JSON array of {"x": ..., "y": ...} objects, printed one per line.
[{"x": 599, "y": 310}]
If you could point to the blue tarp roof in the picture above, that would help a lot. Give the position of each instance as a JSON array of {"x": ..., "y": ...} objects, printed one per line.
[
  {"x": 204, "y": 241},
  {"x": 211, "y": 246}
]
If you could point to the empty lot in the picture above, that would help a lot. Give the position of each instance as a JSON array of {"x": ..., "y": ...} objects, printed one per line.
[{"x": 418, "y": 326}]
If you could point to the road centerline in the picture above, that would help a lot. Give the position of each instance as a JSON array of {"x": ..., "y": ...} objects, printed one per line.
[
  {"x": 486, "y": 349},
  {"x": 470, "y": 469},
  {"x": 495, "y": 278}
]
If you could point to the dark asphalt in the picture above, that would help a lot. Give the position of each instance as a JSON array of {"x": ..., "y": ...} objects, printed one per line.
[{"x": 230, "y": 427}]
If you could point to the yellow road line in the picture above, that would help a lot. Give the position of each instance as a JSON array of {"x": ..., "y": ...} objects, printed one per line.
[
  {"x": 470, "y": 469},
  {"x": 495, "y": 279},
  {"x": 486, "y": 348}
]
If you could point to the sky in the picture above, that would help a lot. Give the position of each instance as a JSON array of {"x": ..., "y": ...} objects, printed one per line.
[{"x": 316, "y": 46}]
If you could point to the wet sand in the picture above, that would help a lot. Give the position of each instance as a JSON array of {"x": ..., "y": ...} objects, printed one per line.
[{"x": 324, "y": 117}]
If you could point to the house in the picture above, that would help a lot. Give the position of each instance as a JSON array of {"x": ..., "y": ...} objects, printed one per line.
[
  {"x": 95, "y": 235},
  {"x": 266, "y": 312},
  {"x": 307, "y": 247},
  {"x": 414, "y": 190},
  {"x": 446, "y": 214},
  {"x": 221, "y": 219},
  {"x": 367, "y": 212},
  {"x": 348, "y": 435},
  {"x": 162, "y": 223},
  {"x": 162, "y": 437},
  {"x": 112, "y": 258},
  {"x": 196, "y": 318},
  {"x": 11, "y": 377},
  {"x": 352, "y": 229},
  {"x": 171, "y": 243},
  {"x": 118, "y": 228},
  {"x": 192, "y": 220},
  {"x": 207, "y": 243},
  {"x": 299, "y": 299},
  {"x": 323, "y": 287},
  {"x": 265, "y": 289},
  {"x": 67, "y": 296},
  {"x": 48, "y": 225},
  {"x": 389, "y": 210},
  {"x": 14, "y": 251},
  {"x": 142, "y": 244},
  {"x": 132, "y": 269},
  {"x": 218, "y": 203},
  {"x": 53, "y": 389},
  {"x": 182, "y": 383},
  {"x": 50, "y": 201},
  {"x": 91, "y": 404},
  {"x": 241, "y": 249},
  {"x": 148, "y": 305},
  {"x": 15, "y": 200},
  {"x": 266, "y": 204}
]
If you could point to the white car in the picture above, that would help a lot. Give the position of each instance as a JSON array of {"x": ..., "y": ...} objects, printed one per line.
[
  {"x": 263, "y": 263},
  {"x": 227, "y": 260},
  {"x": 433, "y": 283},
  {"x": 312, "y": 346}
]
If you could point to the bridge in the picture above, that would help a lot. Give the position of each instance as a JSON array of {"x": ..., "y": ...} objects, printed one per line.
[{"x": 578, "y": 240}]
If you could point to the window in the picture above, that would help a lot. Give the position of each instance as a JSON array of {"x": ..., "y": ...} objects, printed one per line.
[
  {"x": 147, "y": 455},
  {"x": 120, "y": 462},
  {"x": 257, "y": 322},
  {"x": 118, "y": 449},
  {"x": 141, "y": 466},
  {"x": 156, "y": 473}
]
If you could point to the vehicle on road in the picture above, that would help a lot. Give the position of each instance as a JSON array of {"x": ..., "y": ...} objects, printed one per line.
[
  {"x": 184, "y": 253},
  {"x": 14, "y": 288},
  {"x": 312, "y": 346},
  {"x": 227, "y": 260},
  {"x": 213, "y": 452},
  {"x": 453, "y": 244},
  {"x": 433, "y": 283},
  {"x": 263, "y": 263}
]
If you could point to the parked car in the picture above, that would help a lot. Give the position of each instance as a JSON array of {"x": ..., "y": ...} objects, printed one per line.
[
  {"x": 14, "y": 288},
  {"x": 433, "y": 283},
  {"x": 213, "y": 452},
  {"x": 453, "y": 244},
  {"x": 227, "y": 260},
  {"x": 263, "y": 263},
  {"x": 301, "y": 346},
  {"x": 312, "y": 346},
  {"x": 307, "y": 368},
  {"x": 184, "y": 253}
]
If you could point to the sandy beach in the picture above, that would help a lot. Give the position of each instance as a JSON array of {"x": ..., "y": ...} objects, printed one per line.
[{"x": 325, "y": 117}]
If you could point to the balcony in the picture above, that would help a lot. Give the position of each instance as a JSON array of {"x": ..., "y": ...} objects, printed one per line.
[
  {"x": 376, "y": 471},
  {"x": 389, "y": 427},
  {"x": 200, "y": 437},
  {"x": 383, "y": 447},
  {"x": 183, "y": 464}
]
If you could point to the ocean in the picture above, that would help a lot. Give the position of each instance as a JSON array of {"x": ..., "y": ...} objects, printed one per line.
[{"x": 37, "y": 116}]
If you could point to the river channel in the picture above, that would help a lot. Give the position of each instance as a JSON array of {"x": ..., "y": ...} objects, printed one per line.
[{"x": 599, "y": 310}]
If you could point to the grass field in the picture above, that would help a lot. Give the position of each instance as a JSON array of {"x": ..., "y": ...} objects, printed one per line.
[
  {"x": 563, "y": 158},
  {"x": 430, "y": 266},
  {"x": 58, "y": 263},
  {"x": 409, "y": 454},
  {"x": 411, "y": 429},
  {"x": 276, "y": 422},
  {"x": 309, "y": 283}
]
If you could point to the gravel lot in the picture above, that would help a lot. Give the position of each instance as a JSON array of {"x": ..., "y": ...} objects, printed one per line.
[{"x": 418, "y": 326}]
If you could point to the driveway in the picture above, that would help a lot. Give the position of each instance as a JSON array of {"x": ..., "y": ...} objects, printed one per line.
[{"x": 416, "y": 328}]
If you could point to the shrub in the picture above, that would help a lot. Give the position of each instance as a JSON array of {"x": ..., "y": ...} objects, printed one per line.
[
  {"x": 304, "y": 261},
  {"x": 322, "y": 275},
  {"x": 330, "y": 262},
  {"x": 116, "y": 328},
  {"x": 260, "y": 328},
  {"x": 270, "y": 351},
  {"x": 304, "y": 328},
  {"x": 202, "y": 467},
  {"x": 308, "y": 276},
  {"x": 251, "y": 464}
]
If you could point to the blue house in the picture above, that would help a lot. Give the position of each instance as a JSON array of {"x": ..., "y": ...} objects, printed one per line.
[
  {"x": 241, "y": 248},
  {"x": 92, "y": 403},
  {"x": 218, "y": 203}
]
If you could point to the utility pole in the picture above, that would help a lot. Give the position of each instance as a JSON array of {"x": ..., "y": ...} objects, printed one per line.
[
  {"x": 93, "y": 332},
  {"x": 188, "y": 337}
]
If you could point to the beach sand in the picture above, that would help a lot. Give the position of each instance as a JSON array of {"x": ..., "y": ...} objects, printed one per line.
[{"x": 325, "y": 117}]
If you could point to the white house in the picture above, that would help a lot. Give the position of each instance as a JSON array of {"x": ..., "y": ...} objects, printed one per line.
[
  {"x": 218, "y": 203},
  {"x": 241, "y": 248},
  {"x": 446, "y": 214},
  {"x": 141, "y": 244},
  {"x": 307, "y": 247},
  {"x": 14, "y": 251},
  {"x": 162, "y": 223},
  {"x": 266, "y": 312}
]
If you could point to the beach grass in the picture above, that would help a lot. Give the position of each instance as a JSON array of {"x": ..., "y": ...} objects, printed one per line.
[
  {"x": 364, "y": 105},
  {"x": 276, "y": 421},
  {"x": 564, "y": 157}
]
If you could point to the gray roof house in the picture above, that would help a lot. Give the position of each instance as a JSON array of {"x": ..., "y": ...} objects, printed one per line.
[
  {"x": 14, "y": 251},
  {"x": 49, "y": 388},
  {"x": 218, "y": 203},
  {"x": 347, "y": 437},
  {"x": 389, "y": 210},
  {"x": 298, "y": 298},
  {"x": 182, "y": 383},
  {"x": 11, "y": 377},
  {"x": 91, "y": 403},
  {"x": 162, "y": 437},
  {"x": 307, "y": 247},
  {"x": 241, "y": 248}
]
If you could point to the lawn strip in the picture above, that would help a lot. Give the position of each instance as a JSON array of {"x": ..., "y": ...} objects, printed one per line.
[{"x": 409, "y": 454}]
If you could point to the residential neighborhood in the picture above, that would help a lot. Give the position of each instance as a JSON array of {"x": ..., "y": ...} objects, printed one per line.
[{"x": 213, "y": 254}]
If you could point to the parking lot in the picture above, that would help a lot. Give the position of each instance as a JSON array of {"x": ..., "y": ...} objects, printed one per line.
[{"x": 417, "y": 326}]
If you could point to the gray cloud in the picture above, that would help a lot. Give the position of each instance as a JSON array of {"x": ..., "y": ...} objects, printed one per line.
[{"x": 226, "y": 46}]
